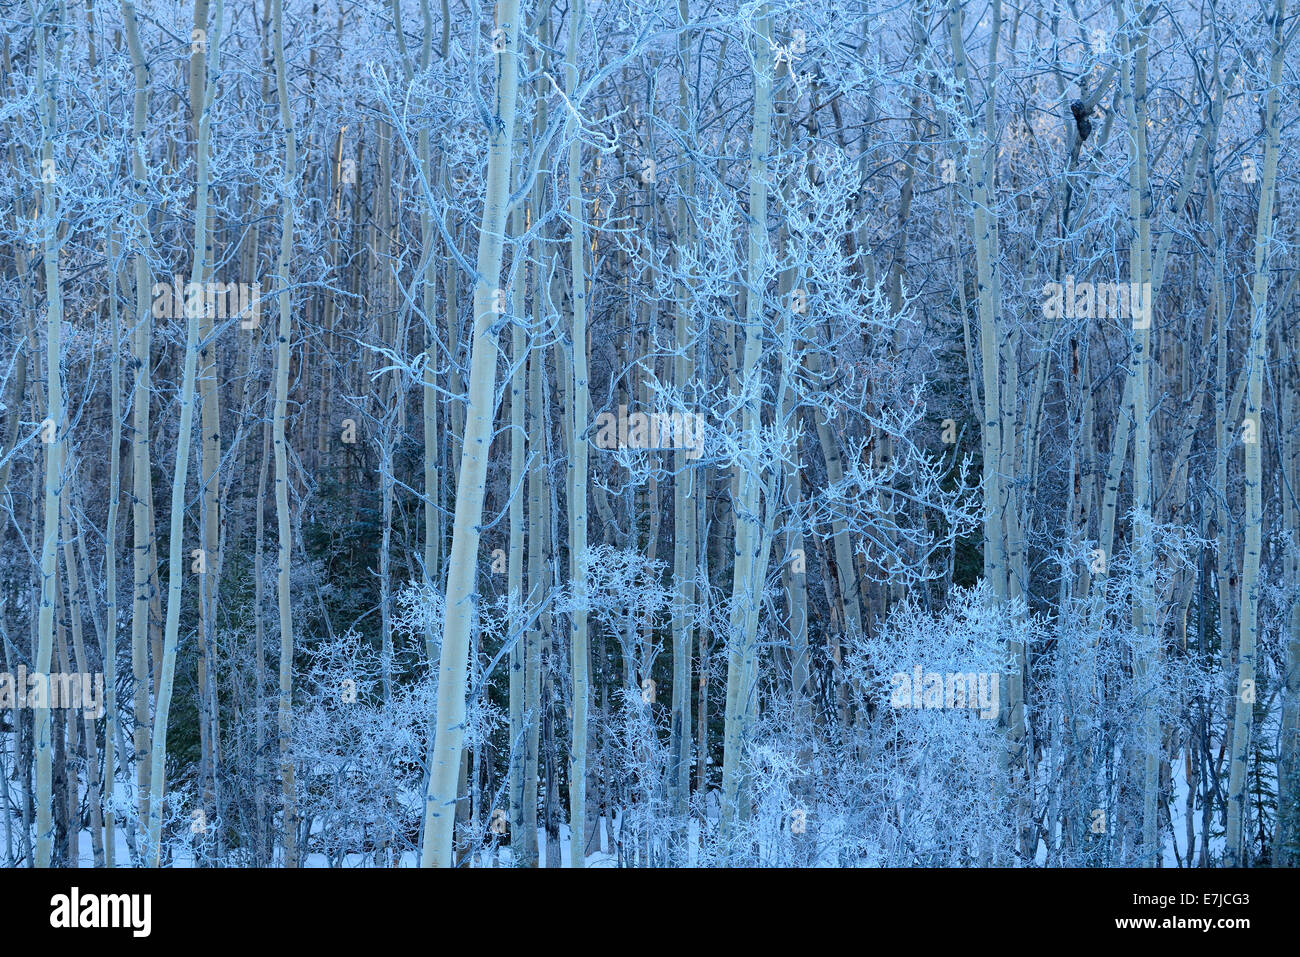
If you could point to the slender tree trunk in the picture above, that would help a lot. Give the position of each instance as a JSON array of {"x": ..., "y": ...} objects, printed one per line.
[
  {"x": 1288, "y": 789},
  {"x": 175, "y": 575},
  {"x": 1252, "y": 437},
  {"x": 751, "y": 541},
  {"x": 94, "y": 785},
  {"x": 141, "y": 494},
  {"x": 685, "y": 484},
  {"x": 1133, "y": 84},
  {"x": 111, "y": 729},
  {"x": 515, "y": 561},
  {"x": 283, "y": 530},
  {"x": 440, "y": 801},
  {"x": 578, "y": 405},
  {"x": 53, "y": 436},
  {"x": 209, "y": 457}
]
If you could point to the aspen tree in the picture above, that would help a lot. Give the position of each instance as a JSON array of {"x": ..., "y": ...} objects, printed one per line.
[
  {"x": 440, "y": 799},
  {"x": 794, "y": 569},
  {"x": 538, "y": 529},
  {"x": 550, "y": 695},
  {"x": 685, "y": 477},
  {"x": 845, "y": 567},
  {"x": 451, "y": 296},
  {"x": 53, "y": 428},
  {"x": 111, "y": 728},
  {"x": 997, "y": 354},
  {"x": 578, "y": 405},
  {"x": 1133, "y": 85},
  {"x": 1223, "y": 439},
  {"x": 751, "y": 541},
  {"x": 175, "y": 573},
  {"x": 284, "y": 531},
  {"x": 429, "y": 394},
  {"x": 24, "y": 346},
  {"x": 142, "y": 387},
  {"x": 976, "y": 189},
  {"x": 846, "y": 572},
  {"x": 209, "y": 449},
  {"x": 15, "y": 433},
  {"x": 1256, "y": 357},
  {"x": 259, "y": 652},
  {"x": 65, "y": 749},
  {"x": 390, "y": 412},
  {"x": 538, "y": 568},
  {"x": 1288, "y": 837},
  {"x": 102, "y": 796},
  {"x": 515, "y": 560},
  {"x": 73, "y": 606}
]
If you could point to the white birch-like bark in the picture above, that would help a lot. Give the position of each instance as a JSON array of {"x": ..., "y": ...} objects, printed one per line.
[
  {"x": 440, "y": 799},
  {"x": 141, "y": 493},
  {"x": 1003, "y": 551},
  {"x": 1133, "y": 85},
  {"x": 54, "y": 435},
  {"x": 284, "y": 531},
  {"x": 578, "y": 405},
  {"x": 685, "y": 478},
  {"x": 515, "y": 558},
  {"x": 175, "y": 574},
  {"x": 751, "y": 540},
  {"x": 1256, "y": 357}
]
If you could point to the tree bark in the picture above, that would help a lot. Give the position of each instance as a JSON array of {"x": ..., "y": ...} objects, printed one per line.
[{"x": 440, "y": 800}]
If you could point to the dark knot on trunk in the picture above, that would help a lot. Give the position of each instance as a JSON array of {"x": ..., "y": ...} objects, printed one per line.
[{"x": 1081, "y": 121}]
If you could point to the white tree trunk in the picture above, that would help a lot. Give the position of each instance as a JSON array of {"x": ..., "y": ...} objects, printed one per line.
[
  {"x": 440, "y": 800},
  {"x": 1256, "y": 357},
  {"x": 175, "y": 573},
  {"x": 751, "y": 539},
  {"x": 53, "y": 437},
  {"x": 578, "y": 406},
  {"x": 284, "y": 531}
]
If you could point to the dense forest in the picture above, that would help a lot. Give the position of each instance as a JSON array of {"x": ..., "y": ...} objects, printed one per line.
[{"x": 639, "y": 433}]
